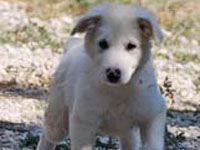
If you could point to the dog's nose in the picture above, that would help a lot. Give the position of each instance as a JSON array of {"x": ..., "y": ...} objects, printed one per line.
[{"x": 113, "y": 74}]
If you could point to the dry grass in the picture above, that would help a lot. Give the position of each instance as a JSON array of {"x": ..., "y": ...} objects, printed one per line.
[{"x": 181, "y": 17}]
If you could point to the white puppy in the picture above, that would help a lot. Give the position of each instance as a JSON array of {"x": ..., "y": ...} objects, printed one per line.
[{"x": 106, "y": 83}]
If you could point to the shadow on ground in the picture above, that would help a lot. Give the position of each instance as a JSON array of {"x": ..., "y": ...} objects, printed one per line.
[
  {"x": 13, "y": 89},
  {"x": 16, "y": 136},
  {"x": 21, "y": 136},
  {"x": 183, "y": 118}
]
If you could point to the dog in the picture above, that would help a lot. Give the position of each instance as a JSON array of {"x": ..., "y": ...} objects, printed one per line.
[{"x": 106, "y": 83}]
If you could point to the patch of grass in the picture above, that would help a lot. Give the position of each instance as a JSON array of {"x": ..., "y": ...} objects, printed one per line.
[
  {"x": 43, "y": 105},
  {"x": 186, "y": 57},
  {"x": 173, "y": 140},
  {"x": 62, "y": 147},
  {"x": 38, "y": 36},
  {"x": 30, "y": 141},
  {"x": 46, "y": 9},
  {"x": 197, "y": 83},
  {"x": 111, "y": 144},
  {"x": 5, "y": 37},
  {"x": 181, "y": 17},
  {"x": 156, "y": 54}
]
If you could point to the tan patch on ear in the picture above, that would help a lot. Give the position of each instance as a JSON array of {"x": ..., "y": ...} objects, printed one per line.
[
  {"x": 146, "y": 28},
  {"x": 86, "y": 23}
]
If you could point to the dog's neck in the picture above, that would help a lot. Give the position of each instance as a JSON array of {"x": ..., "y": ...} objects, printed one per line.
[{"x": 144, "y": 62}]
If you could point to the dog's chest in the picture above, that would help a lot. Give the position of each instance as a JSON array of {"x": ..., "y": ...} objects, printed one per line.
[
  {"x": 118, "y": 118},
  {"x": 125, "y": 112}
]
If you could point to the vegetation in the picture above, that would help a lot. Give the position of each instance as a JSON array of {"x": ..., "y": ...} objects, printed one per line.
[{"x": 181, "y": 17}]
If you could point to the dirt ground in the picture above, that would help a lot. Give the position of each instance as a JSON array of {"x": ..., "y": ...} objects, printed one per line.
[{"x": 30, "y": 49}]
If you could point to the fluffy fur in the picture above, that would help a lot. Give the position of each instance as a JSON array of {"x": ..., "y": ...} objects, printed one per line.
[{"x": 83, "y": 102}]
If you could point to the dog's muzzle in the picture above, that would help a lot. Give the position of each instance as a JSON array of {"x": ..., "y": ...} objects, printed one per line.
[{"x": 113, "y": 75}]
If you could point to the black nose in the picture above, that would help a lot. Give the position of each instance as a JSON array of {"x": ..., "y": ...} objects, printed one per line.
[{"x": 113, "y": 74}]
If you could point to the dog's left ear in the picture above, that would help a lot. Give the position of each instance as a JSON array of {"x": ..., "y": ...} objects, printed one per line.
[
  {"x": 145, "y": 27},
  {"x": 86, "y": 23},
  {"x": 148, "y": 24}
]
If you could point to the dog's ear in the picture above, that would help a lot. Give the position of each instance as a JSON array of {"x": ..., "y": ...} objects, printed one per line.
[
  {"x": 86, "y": 23},
  {"x": 148, "y": 23},
  {"x": 91, "y": 19},
  {"x": 145, "y": 27}
]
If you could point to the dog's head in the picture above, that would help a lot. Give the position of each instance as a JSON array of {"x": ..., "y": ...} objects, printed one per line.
[{"x": 118, "y": 39}]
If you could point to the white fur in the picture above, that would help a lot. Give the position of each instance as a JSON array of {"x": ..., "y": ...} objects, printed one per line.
[{"x": 83, "y": 103}]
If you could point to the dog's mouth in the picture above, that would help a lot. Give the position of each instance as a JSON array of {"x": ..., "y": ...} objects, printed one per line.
[{"x": 112, "y": 84}]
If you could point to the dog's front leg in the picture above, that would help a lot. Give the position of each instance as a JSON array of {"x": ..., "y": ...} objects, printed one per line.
[
  {"x": 130, "y": 140},
  {"x": 82, "y": 133},
  {"x": 84, "y": 122},
  {"x": 152, "y": 133}
]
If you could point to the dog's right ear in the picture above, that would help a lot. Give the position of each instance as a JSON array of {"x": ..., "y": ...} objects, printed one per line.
[
  {"x": 148, "y": 23},
  {"x": 86, "y": 23}
]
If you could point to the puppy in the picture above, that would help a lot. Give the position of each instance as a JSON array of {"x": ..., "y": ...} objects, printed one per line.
[{"x": 106, "y": 83}]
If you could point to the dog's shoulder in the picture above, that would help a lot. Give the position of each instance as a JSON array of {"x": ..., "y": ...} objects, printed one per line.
[
  {"x": 72, "y": 43},
  {"x": 73, "y": 50}
]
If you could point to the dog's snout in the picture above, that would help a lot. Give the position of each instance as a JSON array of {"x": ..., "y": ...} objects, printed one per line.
[{"x": 113, "y": 74}]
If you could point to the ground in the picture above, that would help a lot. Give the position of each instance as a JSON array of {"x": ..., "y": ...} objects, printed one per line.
[{"x": 30, "y": 48}]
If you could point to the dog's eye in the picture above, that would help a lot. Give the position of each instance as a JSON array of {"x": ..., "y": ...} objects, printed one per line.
[
  {"x": 130, "y": 46},
  {"x": 103, "y": 44}
]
